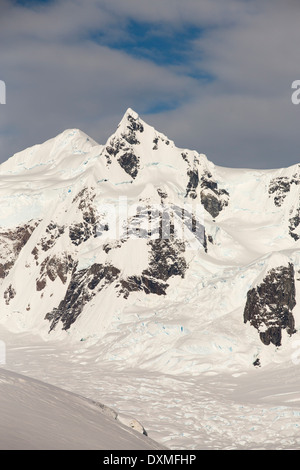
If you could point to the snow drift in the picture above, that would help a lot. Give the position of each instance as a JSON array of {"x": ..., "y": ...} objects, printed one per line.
[{"x": 38, "y": 416}]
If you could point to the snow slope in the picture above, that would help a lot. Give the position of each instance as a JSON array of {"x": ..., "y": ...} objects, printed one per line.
[
  {"x": 254, "y": 409},
  {"x": 38, "y": 416}
]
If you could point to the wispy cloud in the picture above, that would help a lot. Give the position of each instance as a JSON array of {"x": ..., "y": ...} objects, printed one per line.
[{"x": 214, "y": 75}]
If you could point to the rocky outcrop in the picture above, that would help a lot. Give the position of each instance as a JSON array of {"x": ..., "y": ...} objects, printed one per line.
[
  {"x": 294, "y": 223},
  {"x": 269, "y": 306},
  {"x": 9, "y": 294},
  {"x": 89, "y": 224},
  {"x": 122, "y": 147},
  {"x": 279, "y": 187},
  {"x": 83, "y": 286},
  {"x": 11, "y": 243},
  {"x": 166, "y": 260},
  {"x": 55, "y": 266},
  {"x": 193, "y": 183},
  {"x": 213, "y": 198},
  {"x": 53, "y": 232},
  {"x": 129, "y": 161},
  {"x": 212, "y": 204}
]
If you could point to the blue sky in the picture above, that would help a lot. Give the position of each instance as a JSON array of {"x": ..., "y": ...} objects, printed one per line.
[{"x": 213, "y": 75}]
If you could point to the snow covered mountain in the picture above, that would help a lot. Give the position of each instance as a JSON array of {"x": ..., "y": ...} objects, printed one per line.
[{"x": 164, "y": 259}]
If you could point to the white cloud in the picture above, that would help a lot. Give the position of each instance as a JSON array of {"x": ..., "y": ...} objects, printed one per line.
[
  {"x": 51, "y": 88},
  {"x": 57, "y": 77},
  {"x": 176, "y": 12},
  {"x": 245, "y": 117}
]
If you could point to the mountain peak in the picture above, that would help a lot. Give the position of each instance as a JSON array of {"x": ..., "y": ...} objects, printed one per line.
[
  {"x": 130, "y": 112},
  {"x": 70, "y": 142},
  {"x": 128, "y": 121}
]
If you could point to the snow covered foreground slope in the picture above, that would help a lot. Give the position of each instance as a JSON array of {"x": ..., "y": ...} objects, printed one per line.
[
  {"x": 150, "y": 266},
  {"x": 38, "y": 416}
]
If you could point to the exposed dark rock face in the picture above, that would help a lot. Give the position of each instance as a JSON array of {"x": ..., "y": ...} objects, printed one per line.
[
  {"x": 5, "y": 268},
  {"x": 12, "y": 242},
  {"x": 130, "y": 163},
  {"x": 81, "y": 290},
  {"x": 212, "y": 204},
  {"x": 192, "y": 183},
  {"x": 269, "y": 306},
  {"x": 159, "y": 139},
  {"x": 35, "y": 253},
  {"x": 213, "y": 199},
  {"x": 122, "y": 148},
  {"x": 294, "y": 223},
  {"x": 53, "y": 232},
  {"x": 155, "y": 142},
  {"x": 81, "y": 232},
  {"x": 142, "y": 283},
  {"x": 280, "y": 186},
  {"x": 257, "y": 363},
  {"x": 134, "y": 125},
  {"x": 165, "y": 261},
  {"x": 193, "y": 175},
  {"x": 90, "y": 224},
  {"x": 185, "y": 158},
  {"x": 9, "y": 294},
  {"x": 55, "y": 266},
  {"x": 163, "y": 195}
]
